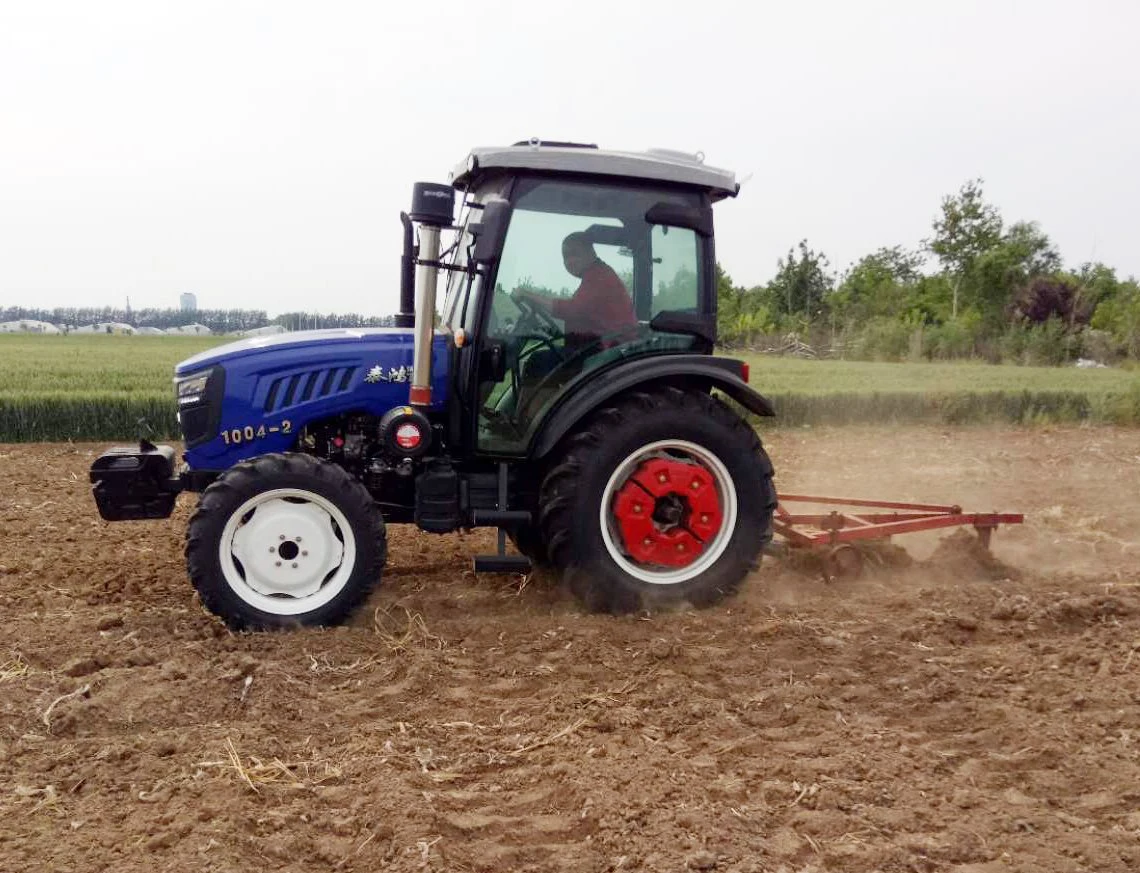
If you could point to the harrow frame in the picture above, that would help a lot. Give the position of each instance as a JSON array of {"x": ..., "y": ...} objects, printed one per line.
[{"x": 835, "y": 531}]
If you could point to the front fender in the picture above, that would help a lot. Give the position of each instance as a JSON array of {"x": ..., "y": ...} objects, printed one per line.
[{"x": 691, "y": 371}]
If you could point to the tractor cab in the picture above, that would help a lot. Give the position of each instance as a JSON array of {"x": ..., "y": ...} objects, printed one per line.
[{"x": 569, "y": 260}]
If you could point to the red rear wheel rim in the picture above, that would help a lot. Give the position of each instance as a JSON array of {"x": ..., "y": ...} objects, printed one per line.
[
  {"x": 695, "y": 507},
  {"x": 667, "y": 511}
]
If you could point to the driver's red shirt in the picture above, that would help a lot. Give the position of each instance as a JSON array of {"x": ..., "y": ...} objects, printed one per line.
[{"x": 601, "y": 305}]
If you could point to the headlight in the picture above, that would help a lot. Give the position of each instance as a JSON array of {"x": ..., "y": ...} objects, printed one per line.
[
  {"x": 200, "y": 399},
  {"x": 191, "y": 389}
]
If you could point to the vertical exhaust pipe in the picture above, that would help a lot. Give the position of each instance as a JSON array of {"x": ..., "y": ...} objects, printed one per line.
[
  {"x": 426, "y": 274},
  {"x": 406, "y": 317},
  {"x": 433, "y": 208}
]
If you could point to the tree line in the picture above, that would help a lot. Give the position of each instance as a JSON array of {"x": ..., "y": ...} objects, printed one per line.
[
  {"x": 217, "y": 320},
  {"x": 976, "y": 288}
]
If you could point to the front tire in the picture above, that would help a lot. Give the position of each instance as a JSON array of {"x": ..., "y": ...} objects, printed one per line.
[
  {"x": 285, "y": 540},
  {"x": 664, "y": 497}
]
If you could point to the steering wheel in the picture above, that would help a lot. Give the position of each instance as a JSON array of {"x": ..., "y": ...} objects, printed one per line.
[{"x": 534, "y": 315}]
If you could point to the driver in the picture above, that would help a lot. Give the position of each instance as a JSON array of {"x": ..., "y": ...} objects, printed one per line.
[{"x": 601, "y": 305}]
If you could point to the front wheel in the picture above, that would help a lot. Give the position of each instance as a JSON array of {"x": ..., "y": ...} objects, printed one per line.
[
  {"x": 284, "y": 540},
  {"x": 662, "y": 498}
]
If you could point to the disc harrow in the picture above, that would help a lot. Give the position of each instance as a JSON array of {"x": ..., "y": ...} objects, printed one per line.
[{"x": 836, "y": 534}]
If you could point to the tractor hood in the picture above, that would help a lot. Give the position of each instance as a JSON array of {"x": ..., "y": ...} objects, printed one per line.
[
  {"x": 256, "y": 395},
  {"x": 371, "y": 337}
]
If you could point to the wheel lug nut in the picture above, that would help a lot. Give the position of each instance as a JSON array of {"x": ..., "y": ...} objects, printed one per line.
[
  {"x": 304, "y": 554},
  {"x": 277, "y": 563},
  {"x": 294, "y": 565},
  {"x": 680, "y": 547},
  {"x": 637, "y": 509},
  {"x": 281, "y": 537},
  {"x": 648, "y": 541},
  {"x": 696, "y": 484},
  {"x": 661, "y": 477},
  {"x": 704, "y": 519},
  {"x": 272, "y": 549},
  {"x": 298, "y": 539}
]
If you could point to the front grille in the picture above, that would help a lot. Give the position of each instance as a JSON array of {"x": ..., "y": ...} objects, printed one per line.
[{"x": 297, "y": 388}]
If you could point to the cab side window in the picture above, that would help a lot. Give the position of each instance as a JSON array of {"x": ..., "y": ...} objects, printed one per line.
[{"x": 675, "y": 264}]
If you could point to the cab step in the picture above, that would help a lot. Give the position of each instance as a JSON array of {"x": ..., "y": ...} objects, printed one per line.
[
  {"x": 500, "y": 516},
  {"x": 502, "y": 564}
]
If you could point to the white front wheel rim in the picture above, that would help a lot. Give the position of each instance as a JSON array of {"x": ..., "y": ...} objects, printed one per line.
[{"x": 287, "y": 551}]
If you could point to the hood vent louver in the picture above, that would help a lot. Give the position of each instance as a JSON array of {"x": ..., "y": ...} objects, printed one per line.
[{"x": 297, "y": 388}]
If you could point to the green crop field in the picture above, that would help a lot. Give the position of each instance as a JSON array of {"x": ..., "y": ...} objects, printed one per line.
[
  {"x": 94, "y": 363},
  {"x": 850, "y": 392},
  {"x": 89, "y": 387},
  {"x": 97, "y": 387}
]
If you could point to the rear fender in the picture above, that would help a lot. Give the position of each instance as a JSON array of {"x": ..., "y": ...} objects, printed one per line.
[{"x": 687, "y": 371}]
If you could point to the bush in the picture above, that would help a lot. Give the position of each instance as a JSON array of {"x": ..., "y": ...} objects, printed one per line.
[
  {"x": 952, "y": 340},
  {"x": 1100, "y": 346},
  {"x": 1049, "y": 344},
  {"x": 883, "y": 339}
]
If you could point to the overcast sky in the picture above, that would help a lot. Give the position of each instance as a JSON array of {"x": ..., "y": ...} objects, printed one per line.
[{"x": 258, "y": 154}]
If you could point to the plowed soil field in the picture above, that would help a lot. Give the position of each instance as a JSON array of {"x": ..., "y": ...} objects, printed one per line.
[{"x": 957, "y": 714}]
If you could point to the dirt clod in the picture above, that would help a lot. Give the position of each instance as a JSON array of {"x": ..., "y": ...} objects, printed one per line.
[
  {"x": 82, "y": 666},
  {"x": 702, "y": 861},
  {"x": 109, "y": 621},
  {"x": 661, "y": 649}
]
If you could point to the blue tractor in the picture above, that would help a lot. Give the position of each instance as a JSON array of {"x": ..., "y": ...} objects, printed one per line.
[{"x": 565, "y": 393}]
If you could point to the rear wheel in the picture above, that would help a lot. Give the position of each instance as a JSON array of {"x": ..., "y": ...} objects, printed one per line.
[
  {"x": 529, "y": 541},
  {"x": 662, "y": 498},
  {"x": 284, "y": 540}
]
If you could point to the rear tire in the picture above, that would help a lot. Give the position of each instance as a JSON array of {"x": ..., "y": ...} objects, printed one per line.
[
  {"x": 529, "y": 541},
  {"x": 623, "y": 540},
  {"x": 285, "y": 540}
]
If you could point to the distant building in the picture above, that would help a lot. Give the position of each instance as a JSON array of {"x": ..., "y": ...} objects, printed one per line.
[
  {"x": 108, "y": 327},
  {"x": 268, "y": 330},
  {"x": 188, "y": 303},
  {"x": 28, "y": 325},
  {"x": 150, "y": 331},
  {"x": 190, "y": 330}
]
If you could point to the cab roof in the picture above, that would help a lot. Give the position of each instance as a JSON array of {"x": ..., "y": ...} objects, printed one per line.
[{"x": 660, "y": 165}]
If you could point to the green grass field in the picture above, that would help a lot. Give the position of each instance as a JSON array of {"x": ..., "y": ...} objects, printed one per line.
[
  {"x": 97, "y": 387},
  {"x": 858, "y": 392}
]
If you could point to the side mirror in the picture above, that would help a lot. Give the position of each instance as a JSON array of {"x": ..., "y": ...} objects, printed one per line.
[{"x": 491, "y": 232}]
